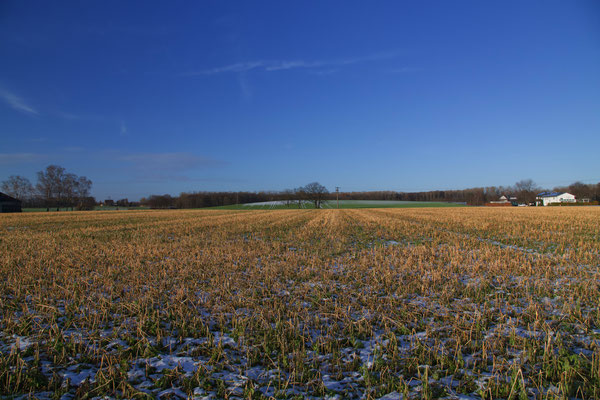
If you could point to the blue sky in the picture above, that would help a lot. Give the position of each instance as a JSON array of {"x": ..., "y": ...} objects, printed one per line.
[{"x": 146, "y": 98}]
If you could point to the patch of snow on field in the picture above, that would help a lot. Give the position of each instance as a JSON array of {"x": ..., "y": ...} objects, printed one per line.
[
  {"x": 275, "y": 203},
  {"x": 264, "y": 203},
  {"x": 21, "y": 342},
  {"x": 162, "y": 362},
  {"x": 77, "y": 376}
]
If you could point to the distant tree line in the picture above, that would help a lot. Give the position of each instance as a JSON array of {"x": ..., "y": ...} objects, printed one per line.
[
  {"x": 55, "y": 188},
  {"x": 313, "y": 192},
  {"x": 525, "y": 191}
]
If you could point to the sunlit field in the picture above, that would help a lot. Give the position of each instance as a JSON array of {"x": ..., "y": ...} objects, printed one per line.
[{"x": 401, "y": 303}]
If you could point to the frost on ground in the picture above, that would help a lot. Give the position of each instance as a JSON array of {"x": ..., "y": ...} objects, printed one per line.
[
  {"x": 275, "y": 203},
  {"x": 390, "y": 304}
]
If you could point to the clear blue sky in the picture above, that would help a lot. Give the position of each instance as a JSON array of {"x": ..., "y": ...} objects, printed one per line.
[{"x": 164, "y": 97}]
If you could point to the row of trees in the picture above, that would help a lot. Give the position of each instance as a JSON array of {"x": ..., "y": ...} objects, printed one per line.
[
  {"x": 313, "y": 192},
  {"x": 525, "y": 190},
  {"x": 582, "y": 190},
  {"x": 55, "y": 188}
]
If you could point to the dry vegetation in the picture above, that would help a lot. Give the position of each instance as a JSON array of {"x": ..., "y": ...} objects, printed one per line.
[{"x": 420, "y": 303}]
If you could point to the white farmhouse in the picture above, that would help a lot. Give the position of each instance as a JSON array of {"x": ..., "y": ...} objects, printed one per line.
[
  {"x": 505, "y": 199},
  {"x": 546, "y": 198}
]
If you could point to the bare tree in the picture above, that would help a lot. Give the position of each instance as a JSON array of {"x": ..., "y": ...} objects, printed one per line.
[
  {"x": 18, "y": 187},
  {"x": 49, "y": 185},
  {"x": 81, "y": 193},
  {"x": 526, "y": 185},
  {"x": 83, "y": 187},
  {"x": 59, "y": 188},
  {"x": 526, "y": 190},
  {"x": 581, "y": 190},
  {"x": 316, "y": 193},
  {"x": 69, "y": 189}
]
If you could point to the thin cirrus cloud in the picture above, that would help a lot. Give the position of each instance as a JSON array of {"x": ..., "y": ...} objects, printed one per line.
[
  {"x": 282, "y": 65},
  {"x": 17, "y": 102},
  {"x": 19, "y": 158},
  {"x": 168, "y": 162}
]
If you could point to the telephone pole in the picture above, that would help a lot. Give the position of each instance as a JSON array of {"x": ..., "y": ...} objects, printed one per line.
[{"x": 337, "y": 196}]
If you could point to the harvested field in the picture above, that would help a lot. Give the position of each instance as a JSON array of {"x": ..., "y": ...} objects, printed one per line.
[{"x": 402, "y": 303}]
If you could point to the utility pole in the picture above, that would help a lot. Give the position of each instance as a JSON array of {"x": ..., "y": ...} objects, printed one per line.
[{"x": 337, "y": 196}]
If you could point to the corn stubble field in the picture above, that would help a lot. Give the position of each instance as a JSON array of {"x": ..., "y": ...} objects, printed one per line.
[{"x": 392, "y": 303}]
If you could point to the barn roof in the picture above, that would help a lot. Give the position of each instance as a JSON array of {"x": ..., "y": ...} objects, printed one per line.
[
  {"x": 550, "y": 194},
  {"x": 5, "y": 197}
]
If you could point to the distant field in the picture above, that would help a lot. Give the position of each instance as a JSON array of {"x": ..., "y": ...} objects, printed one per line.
[
  {"x": 461, "y": 303},
  {"x": 346, "y": 204}
]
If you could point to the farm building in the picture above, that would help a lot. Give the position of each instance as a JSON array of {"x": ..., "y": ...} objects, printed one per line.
[
  {"x": 546, "y": 198},
  {"x": 505, "y": 199},
  {"x": 9, "y": 204}
]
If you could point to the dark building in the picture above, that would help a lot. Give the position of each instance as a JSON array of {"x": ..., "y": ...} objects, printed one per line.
[{"x": 9, "y": 204}]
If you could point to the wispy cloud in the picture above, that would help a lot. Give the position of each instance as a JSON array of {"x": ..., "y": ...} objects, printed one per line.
[
  {"x": 282, "y": 65},
  {"x": 17, "y": 103},
  {"x": 237, "y": 67},
  {"x": 78, "y": 116},
  {"x": 19, "y": 158},
  {"x": 159, "y": 163}
]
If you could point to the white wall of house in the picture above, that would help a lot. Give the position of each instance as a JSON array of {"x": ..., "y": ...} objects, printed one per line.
[{"x": 561, "y": 198}]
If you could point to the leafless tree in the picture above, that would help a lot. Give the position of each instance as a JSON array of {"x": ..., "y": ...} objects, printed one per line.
[
  {"x": 526, "y": 190},
  {"x": 581, "y": 190},
  {"x": 526, "y": 185},
  {"x": 49, "y": 185},
  {"x": 316, "y": 193},
  {"x": 59, "y": 188},
  {"x": 18, "y": 187},
  {"x": 83, "y": 186}
]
